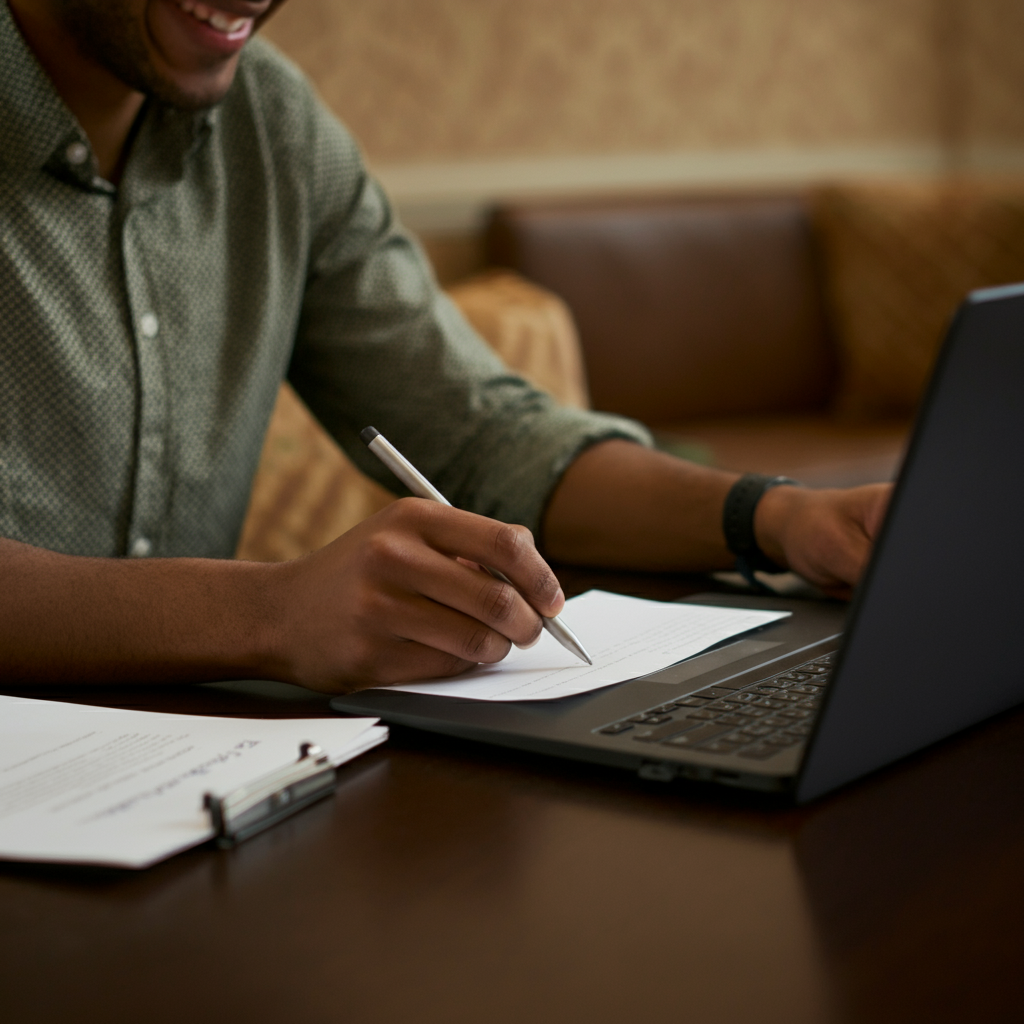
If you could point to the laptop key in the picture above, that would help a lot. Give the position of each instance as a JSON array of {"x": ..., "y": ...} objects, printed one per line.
[
  {"x": 692, "y": 702},
  {"x": 695, "y": 737},
  {"x": 736, "y": 719},
  {"x": 789, "y": 696},
  {"x": 722, "y": 746},
  {"x": 705, "y": 713},
  {"x": 800, "y": 730},
  {"x": 663, "y": 732},
  {"x": 726, "y": 705},
  {"x": 646, "y": 735},
  {"x": 615, "y": 728},
  {"x": 648, "y": 719},
  {"x": 768, "y": 702}
]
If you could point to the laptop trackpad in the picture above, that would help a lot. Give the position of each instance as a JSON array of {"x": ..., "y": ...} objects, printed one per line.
[{"x": 693, "y": 667}]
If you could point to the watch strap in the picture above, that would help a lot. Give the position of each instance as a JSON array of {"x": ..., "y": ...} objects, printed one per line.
[{"x": 738, "y": 522}]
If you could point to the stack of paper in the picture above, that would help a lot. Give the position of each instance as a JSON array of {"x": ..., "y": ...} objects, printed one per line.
[{"x": 124, "y": 788}]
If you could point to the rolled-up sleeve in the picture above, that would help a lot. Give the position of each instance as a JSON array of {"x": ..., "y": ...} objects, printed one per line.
[{"x": 379, "y": 344}]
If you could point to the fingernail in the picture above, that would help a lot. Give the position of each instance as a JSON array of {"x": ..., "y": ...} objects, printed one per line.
[{"x": 559, "y": 598}]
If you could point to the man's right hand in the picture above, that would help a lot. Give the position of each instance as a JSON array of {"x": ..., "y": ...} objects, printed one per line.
[{"x": 393, "y": 599}]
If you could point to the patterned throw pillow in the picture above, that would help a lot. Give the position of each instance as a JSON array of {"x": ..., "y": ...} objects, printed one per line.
[
  {"x": 530, "y": 328},
  {"x": 899, "y": 258}
]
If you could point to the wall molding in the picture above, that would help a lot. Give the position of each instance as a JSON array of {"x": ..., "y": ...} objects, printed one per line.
[{"x": 453, "y": 196}]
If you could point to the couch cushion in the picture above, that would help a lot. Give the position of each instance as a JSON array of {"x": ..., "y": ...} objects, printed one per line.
[
  {"x": 899, "y": 258},
  {"x": 685, "y": 306}
]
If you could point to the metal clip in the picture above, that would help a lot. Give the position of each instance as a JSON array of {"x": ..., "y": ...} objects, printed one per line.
[{"x": 266, "y": 801}]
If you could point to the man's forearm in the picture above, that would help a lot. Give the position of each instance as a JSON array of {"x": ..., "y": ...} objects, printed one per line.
[
  {"x": 71, "y": 619},
  {"x": 387, "y": 602},
  {"x": 620, "y": 505},
  {"x": 623, "y": 506}
]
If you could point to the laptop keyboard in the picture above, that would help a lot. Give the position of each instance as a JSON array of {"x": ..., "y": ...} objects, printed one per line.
[{"x": 755, "y": 720}]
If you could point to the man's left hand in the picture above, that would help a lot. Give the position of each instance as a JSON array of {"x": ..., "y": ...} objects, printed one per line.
[{"x": 826, "y": 536}]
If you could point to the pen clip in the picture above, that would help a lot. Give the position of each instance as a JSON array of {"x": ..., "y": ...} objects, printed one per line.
[{"x": 265, "y": 801}]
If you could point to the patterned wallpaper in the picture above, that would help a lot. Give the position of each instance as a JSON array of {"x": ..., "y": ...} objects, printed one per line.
[
  {"x": 450, "y": 79},
  {"x": 989, "y": 69}
]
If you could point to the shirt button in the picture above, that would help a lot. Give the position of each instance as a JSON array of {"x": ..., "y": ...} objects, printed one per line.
[
  {"x": 142, "y": 547},
  {"x": 149, "y": 325},
  {"x": 77, "y": 153}
]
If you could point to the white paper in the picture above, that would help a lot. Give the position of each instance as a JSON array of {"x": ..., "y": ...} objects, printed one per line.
[
  {"x": 124, "y": 788},
  {"x": 625, "y": 636}
]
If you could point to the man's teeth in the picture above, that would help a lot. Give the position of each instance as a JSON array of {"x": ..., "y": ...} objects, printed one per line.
[{"x": 217, "y": 19}]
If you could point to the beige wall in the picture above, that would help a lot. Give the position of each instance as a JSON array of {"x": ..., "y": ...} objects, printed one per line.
[
  {"x": 428, "y": 79},
  {"x": 443, "y": 79},
  {"x": 481, "y": 99},
  {"x": 988, "y": 66}
]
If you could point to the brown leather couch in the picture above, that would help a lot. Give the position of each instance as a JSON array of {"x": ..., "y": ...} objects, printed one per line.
[{"x": 706, "y": 318}]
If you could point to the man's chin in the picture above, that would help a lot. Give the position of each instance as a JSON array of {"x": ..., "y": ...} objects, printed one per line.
[{"x": 190, "y": 92}]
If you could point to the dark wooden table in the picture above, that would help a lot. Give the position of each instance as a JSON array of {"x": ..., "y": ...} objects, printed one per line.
[{"x": 453, "y": 882}]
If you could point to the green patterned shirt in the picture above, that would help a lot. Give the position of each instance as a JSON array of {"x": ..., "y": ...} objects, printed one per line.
[{"x": 145, "y": 329}]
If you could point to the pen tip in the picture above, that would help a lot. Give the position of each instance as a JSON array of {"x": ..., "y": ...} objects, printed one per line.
[{"x": 368, "y": 434}]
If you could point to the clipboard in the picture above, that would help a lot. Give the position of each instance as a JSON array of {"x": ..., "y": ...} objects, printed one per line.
[{"x": 262, "y": 803}]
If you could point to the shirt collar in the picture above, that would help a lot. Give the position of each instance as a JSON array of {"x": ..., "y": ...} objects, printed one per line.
[
  {"x": 36, "y": 122},
  {"x": 38, "y": 130}
]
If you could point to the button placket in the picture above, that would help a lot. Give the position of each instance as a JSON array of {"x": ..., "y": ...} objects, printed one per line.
[{"x": 152, "y": 479}]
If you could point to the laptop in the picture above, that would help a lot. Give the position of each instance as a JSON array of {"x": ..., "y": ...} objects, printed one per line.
[{"x": 932, "y": 643}]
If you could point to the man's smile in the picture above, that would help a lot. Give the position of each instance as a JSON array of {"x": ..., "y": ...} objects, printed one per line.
[
  {"x": 230, "y": 25},
  {"x": 186, "y": 30}
]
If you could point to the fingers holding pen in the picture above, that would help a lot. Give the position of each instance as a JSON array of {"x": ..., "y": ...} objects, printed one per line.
[
  {"x": 509, "y": 549},
  {"x": 392, "y": 600},
  {"x": 539, "y": 585},
  {"x": 526, "y": 568},
  {"x": 424, "y": 562}
]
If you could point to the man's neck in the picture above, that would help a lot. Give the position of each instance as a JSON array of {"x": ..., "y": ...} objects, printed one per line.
[{"x": 105, "y": 107}]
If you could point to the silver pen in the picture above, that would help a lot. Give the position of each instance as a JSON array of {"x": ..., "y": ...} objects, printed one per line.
[{"x": 419, "y": 485}]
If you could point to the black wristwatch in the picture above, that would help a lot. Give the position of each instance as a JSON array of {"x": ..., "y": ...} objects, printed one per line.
[{"x": 738, "y": 522}]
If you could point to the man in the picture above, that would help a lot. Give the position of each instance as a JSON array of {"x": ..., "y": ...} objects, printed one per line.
[{"x": 183, "y": 225}]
